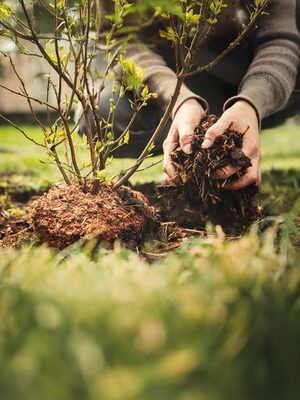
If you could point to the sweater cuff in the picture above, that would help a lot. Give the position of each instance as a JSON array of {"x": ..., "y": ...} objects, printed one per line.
[
  {"x": 230, "y": 102},
  {"x": 187, "y": 94}
]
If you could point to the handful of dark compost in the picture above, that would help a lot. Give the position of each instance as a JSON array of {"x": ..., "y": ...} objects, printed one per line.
[{"x": 234, "y": 210}]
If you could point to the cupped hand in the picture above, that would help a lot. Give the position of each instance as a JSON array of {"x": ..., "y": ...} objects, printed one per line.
[
  {"x": 243, "y": 118},
  {"x": 181, "y": 132}
]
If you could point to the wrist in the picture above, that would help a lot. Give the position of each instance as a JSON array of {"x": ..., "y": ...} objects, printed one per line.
[
  {"x": 246, "y": 108},
  {"x": 191, "y": 104}
]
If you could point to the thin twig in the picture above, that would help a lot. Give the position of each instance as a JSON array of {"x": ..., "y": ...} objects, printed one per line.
[
  {"x": 155, "y": 135},
  {"x": 22, "y": 131}
]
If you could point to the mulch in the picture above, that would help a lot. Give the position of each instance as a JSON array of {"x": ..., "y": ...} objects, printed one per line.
[
  {"x": 67, "y": 214},
  {"x": 234, "y": 210}
]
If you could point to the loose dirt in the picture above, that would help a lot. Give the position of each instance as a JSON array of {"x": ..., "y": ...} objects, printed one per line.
[
  {"x": 15, "y": 228},
  {"x": 234, "y": 210},
  {"x": 15, "y": 198}
]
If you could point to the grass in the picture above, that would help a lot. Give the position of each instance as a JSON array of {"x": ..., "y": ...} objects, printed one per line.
[
  {"x": 212, "y": 321},
  {"x": 209, "y": 322},
  {"x": 23, "y": 157},
  {"x": 280, "y": 150}
]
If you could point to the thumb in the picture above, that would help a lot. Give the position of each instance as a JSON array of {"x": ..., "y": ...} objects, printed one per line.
[
  {"x": 186, "y": 133},
  {"x": 213, "y": 132}
]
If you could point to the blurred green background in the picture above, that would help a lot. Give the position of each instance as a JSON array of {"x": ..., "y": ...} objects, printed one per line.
[{"x": 280, "y": 150}]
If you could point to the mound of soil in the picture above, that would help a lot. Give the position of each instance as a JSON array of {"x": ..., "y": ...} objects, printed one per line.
[
  {"x": 68, "y": 213},
  {"x": 234, "y": 210}
]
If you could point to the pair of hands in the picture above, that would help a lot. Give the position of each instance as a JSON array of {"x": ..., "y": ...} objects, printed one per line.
[{"x": 242, "y": 115}]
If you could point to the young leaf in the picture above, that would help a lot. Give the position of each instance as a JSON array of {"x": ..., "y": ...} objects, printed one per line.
[
  {"x": 132, "y": 74},
  {"x": 145, "y": 91},
  {"x": 5, "y": 11},
  {"x": 126, "y": 137}
]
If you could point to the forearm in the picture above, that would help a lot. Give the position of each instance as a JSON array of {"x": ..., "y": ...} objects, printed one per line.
[
  {"x": 158, "y": 76},
  {"x": 271, "y": 76}
]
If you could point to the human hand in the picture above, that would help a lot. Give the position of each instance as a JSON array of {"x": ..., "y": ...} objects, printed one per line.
[
  {"x": 243, "y": 118},
  {"x": 187, "y": 117}
]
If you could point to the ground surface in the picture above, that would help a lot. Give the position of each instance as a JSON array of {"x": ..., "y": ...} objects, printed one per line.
[{"x": 90, "y": 324}]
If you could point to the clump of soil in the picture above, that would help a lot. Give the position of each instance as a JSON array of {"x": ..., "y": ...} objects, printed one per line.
[
  {"x": 234, "y": 210},
  {"x": 69, "y": 213},
  {"x": 179, "y": 211}
]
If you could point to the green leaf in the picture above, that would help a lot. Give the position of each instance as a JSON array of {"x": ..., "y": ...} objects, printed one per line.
[
  {"x": 5, "y": 11},
  {"x": 60, "y": 4},
  {"x": 110, "y": 136},
  {"x": 169, "y": 34},
  {"x": 145, "y": 91},
  {"x": 16, "y": 212},
  {"x": 132, "y": 74},
  {"x": 102, "y": 175},
  {"x": 151, "y": 147},
  {"x": 108, "y": 181},
  {"x": 191, "y": 18},
  {"x": 126, "y": 137}
]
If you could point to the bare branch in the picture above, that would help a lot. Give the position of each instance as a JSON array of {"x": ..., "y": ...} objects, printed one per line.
[
  {"x": 26, "y": 93},
  {"x": 156, "y": 134},
  {"x": 231, "y": 46},
  {"x": 44, "y": 103}
]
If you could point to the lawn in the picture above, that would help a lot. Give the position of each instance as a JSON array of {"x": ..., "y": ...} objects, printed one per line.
[
  {"x": 213, "y": 320},
  {"x": 32, "y": 160},
  {"x": 280, "y": 150}
]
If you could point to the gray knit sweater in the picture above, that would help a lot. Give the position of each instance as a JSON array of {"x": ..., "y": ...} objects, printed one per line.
[{"x": 270, "y": 77}]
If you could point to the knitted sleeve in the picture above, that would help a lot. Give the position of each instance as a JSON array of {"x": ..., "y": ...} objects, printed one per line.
[
  {"x": 271, "y": 76},
  {"x": 160, "y": 78}
]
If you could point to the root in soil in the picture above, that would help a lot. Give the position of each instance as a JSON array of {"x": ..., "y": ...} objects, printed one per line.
[
  {"x": 69, "y": 213},
  {"x": 234, "y": 210}
]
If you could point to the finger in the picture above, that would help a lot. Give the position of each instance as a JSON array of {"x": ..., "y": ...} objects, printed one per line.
[
  {"x": 214, "y": 131},
  {"x": 251, "y": 176},
  {"x": 186, "y": 134},
  {"x": 166, "y": 179},
  {"x": 169, "y": 170},
  {"x": 259, "y": 178},
  {"x": 168, "y": 167},
  {"x": 169, "y": 181},
  {"x": 248, "y": 179},
  {"x": 251, "y": 146},
  {"x": 225, "y": 172}
]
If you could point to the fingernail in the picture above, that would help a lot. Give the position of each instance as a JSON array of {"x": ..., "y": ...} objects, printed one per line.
[
  {"x": 187, "y": 149},
  {"x": 206, "y": 144},
  {"x": 215, "y": 175},
  {"x": 222, "y": 172}
]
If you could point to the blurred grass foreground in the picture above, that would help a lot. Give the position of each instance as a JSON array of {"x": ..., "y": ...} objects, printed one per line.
[{"x": 215, "y": 320}]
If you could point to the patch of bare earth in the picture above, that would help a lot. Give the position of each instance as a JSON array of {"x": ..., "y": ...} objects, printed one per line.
[
  {"x": 15, "y": 197},
  {"x": 15, "y": 228}
]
